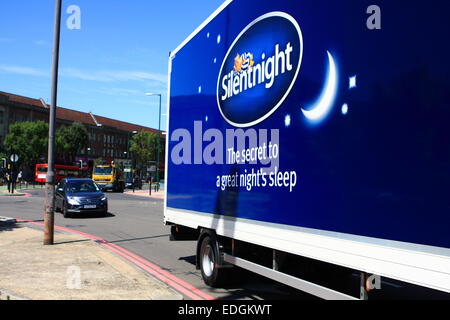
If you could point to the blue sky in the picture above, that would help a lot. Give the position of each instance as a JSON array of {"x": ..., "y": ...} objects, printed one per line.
[{"x": 120, "y": 52}]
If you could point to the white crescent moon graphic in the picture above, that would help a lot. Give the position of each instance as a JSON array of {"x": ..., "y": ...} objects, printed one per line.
[{"x": 320, "y": 109}]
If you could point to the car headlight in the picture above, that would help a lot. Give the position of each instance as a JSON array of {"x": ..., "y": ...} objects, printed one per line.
[
  {"x": 72, "y": 201},
  {"x": 103, "y": 198}
]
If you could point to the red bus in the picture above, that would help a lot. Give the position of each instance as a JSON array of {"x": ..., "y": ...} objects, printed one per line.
[{"x": 61, "y": 171}]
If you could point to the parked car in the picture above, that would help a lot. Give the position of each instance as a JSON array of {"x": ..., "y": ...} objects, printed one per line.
[{"x": 80, "y": 195}]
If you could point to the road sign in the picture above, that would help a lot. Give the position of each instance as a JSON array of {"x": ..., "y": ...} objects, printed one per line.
[{"x": 14, "y": 158}]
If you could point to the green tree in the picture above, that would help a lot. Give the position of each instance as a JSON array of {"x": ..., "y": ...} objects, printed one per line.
[
  {"x": 29, "y": 140},
  {"x": 70, "y": 140},
  {"x": 143, "y": 148},
  {"x": 2, "y": 156}
]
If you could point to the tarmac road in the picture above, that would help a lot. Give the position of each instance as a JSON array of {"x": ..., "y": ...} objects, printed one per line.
[{"x": 136, "y": 224}]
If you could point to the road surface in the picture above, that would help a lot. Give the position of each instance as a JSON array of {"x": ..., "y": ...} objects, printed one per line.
[{"x": 136, "y": 224}]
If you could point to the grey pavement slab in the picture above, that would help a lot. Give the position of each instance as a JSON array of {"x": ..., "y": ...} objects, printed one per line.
[{"x": 72, "y": 269}]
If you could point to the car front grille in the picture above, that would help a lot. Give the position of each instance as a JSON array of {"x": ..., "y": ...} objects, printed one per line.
[{"x": 89, "y": 201}]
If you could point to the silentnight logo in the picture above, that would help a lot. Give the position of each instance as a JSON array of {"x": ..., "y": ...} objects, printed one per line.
[
  {"x": 257, "y": 74},
  {"x": 245, "y": 74},
  {"x": 259, "y": 69}
]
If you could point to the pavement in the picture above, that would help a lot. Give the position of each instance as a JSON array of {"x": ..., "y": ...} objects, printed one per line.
[
  {"x": 145, "y": 193},
  {"x": 74, "y": 268},
  {"x": 134, "y": 226},
  {"x": 19, "y": 191}
]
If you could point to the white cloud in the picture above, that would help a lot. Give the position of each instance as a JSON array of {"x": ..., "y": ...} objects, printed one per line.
[
  {"x": 22, "y": 70},
  {"x": 119, "y": 91},
  {"x": 40, "y": 42},
  {"x": 114, "y": 75},
  {"x": 143, "y": 81},
  {"x": 147, "y": 103}
]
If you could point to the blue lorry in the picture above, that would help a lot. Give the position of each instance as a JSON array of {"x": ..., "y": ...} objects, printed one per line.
[{"x": 314, "y": 130}]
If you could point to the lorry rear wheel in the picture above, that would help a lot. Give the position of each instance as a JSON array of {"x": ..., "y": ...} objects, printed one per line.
[{"x": 210, "y": 265}]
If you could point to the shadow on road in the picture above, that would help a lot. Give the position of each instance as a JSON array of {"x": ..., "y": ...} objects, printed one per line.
[
  {"x": 73, "y": 241},
  {"x": 144, "y": 238},
  {"x": 92, "y": 215},
  {"x": 9, "y": 227},
  {"x": 189, "y": 259},
  {"x": 24, "y": 222}
]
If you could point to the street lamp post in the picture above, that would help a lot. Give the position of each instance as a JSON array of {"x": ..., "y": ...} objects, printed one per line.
[
  {"x": 49, "y": 213},
  {"x": 159, "y": 138},
  {"x": 128, "y": 153}
]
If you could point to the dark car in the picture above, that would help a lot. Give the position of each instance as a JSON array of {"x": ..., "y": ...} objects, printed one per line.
[
  {"x": 80, "y": 195},
  {"x": 133, "y": 183}
]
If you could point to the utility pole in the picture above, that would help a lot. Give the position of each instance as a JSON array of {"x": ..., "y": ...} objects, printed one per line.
[
  {"x": 49, "y": 213},
  {"x": 158, "y": 146}
]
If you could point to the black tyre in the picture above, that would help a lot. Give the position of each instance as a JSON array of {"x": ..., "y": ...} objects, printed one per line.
[
  {"x": 66, "y": 213},
  {"x": 210, "y": 263}
]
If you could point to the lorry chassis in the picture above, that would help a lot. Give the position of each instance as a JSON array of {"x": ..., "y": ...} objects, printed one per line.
[{"x": 217, "y": 258}]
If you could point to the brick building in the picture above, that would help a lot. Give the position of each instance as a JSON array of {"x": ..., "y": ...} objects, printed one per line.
[{"x": 108, "y": 138}]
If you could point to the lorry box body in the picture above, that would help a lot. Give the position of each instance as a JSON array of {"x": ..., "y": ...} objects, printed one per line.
[{"x": 320, "y": 129}]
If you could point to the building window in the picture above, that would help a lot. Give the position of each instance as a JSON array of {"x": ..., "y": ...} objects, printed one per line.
[{"x": 1, "y": 116}]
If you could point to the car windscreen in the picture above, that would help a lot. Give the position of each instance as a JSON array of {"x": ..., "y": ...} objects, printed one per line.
[
  {"x": 81, "y": 186},
  {"x": 103, "y": 170}
]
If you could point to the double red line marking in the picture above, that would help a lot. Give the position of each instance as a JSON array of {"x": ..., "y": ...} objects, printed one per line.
[{"x": 166, "y": 277}]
